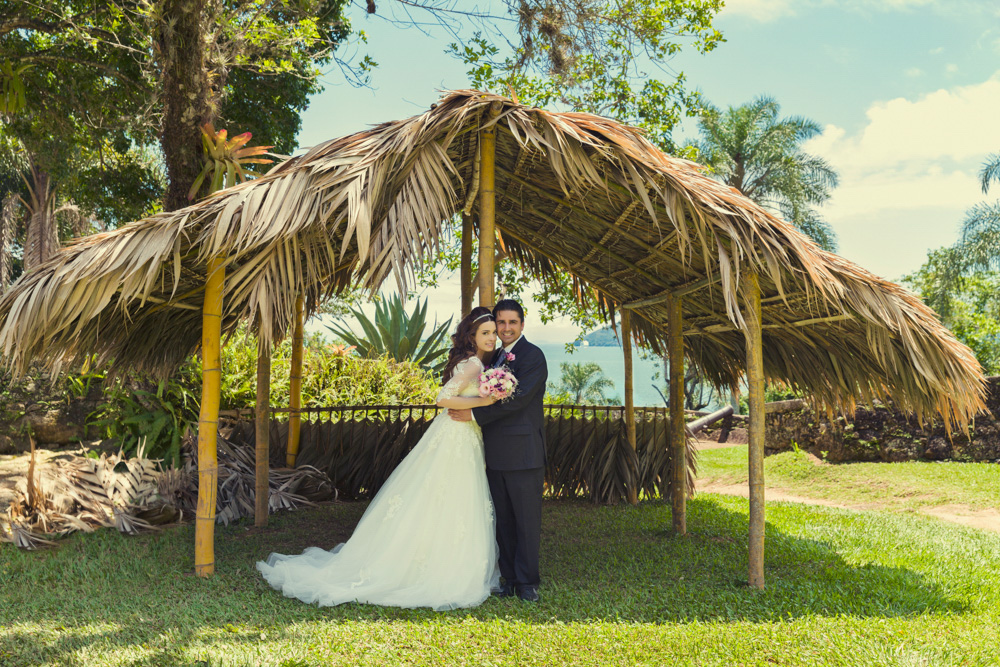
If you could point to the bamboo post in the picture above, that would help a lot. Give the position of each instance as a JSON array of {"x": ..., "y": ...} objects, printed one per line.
[
  {"x": 465, "y": 271},
  {"x": 678, "y": 438},
  {"x": 208, "y": 419},
  {"x": 295, "y": 386},
  {"x": 633, "y": 493},
  {"x": 755, "y": 391},
  {"x": 487, "y": 211},
  {"x": 262, "y": 433}
]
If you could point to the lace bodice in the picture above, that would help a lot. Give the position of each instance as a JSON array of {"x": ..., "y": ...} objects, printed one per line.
[{"x": 464, "y": 381}]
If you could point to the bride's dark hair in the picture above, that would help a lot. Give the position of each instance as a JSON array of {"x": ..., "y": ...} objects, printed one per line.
[{"x": 463, "y": 341}]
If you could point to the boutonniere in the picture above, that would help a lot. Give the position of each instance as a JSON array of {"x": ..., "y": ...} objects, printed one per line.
[{"x": 508, "y": 356}]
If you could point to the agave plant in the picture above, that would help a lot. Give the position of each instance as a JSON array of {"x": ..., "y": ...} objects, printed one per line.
[{"x": 398, "y": 334}]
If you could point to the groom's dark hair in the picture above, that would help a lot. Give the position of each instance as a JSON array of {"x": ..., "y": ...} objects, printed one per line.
[{"x": 508, "y": 304}]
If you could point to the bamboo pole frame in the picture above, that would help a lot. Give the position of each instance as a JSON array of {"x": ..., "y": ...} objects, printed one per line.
[
  {"x": 262, "y": 436},
  {"x": 465, "y": 271},
  {"x": 678, "y": 435},
  {"x": 633, "y": 494},
  {"x": 755, "y": 390},
  {"x": 208, "y": 419},
  {"x": 295, "y": 386},
  {"x": 487, "y": 214}
]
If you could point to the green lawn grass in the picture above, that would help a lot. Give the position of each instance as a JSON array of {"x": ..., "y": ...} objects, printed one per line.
[
  {"x": 906, "y": 485},
  {"x": 844, "y": 588}
]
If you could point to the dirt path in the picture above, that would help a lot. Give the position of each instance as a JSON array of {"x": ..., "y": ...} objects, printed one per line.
[{"x": 983, "y": 519}]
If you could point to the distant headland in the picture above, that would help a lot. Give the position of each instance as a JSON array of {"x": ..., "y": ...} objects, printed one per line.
[{"x": 601, "y": 338}]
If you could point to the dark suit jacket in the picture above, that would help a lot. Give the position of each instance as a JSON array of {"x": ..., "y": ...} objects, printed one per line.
[{"x": 514, "y": 431}]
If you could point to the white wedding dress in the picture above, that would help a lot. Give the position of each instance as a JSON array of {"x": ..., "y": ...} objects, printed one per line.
[{"x": 426, "y": 540}]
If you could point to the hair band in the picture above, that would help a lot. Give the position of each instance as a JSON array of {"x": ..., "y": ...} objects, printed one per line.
[{"x": 482, "y": 316}]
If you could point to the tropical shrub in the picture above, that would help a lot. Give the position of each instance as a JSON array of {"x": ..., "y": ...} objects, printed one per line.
[
  {"x": 331, "y": 375},
  {"x": 398, "y": 334},
  {"x": 158, "y": 412},
  {"x": 154, "y": 414}
]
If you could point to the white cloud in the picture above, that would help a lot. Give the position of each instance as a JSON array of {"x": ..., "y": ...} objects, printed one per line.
[
  {"x": 914, "y": 72},
  {"x": 761, "y": 10},
  {"x": 951, "y": 68},
  {"x": 769, "y": 10},
  {"x": 908, "y": 176},
  {"x": 936, "y": 51},
  {"x": 949, "y": 124}
]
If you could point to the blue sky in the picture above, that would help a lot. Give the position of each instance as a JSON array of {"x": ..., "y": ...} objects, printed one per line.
[{"x": 908, "y": 93}]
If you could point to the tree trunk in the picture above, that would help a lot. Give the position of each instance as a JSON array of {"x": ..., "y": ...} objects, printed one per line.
[
  {"x": 186, "y": 94},
  {"x": 8, "y": 208},
  {"x": 41, "y": 236}
]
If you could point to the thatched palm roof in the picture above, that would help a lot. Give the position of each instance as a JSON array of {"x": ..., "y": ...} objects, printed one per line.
[{"x": 576, "y": 194}]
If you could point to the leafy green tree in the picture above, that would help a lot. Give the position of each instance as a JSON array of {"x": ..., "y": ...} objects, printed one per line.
[
  {"x": 598, "y": 57},
  {"x": 583, "y": 383},
  {"x": 966, "y": 301},
  {"x": 70, "y": 129},
  {"x": 751, "y": 148},
  {"x": 398, "y": 334},
  {"x": 136, "y": 73}
]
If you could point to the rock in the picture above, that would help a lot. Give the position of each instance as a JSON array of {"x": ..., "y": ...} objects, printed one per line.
[
  {"x": 936, "y": 449},
  {"x": 52, "y": 427},
  {"x": 899, "y": 449}
]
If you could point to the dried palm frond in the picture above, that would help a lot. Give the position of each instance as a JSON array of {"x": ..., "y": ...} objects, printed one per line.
[
  {"x": 575, "y": 193},
  {"x": 288, "y": 488},
  {"x": 134, "y": 495}
]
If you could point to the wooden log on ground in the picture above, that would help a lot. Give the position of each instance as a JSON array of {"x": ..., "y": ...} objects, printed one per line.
[{"x": 700, "y": 423}]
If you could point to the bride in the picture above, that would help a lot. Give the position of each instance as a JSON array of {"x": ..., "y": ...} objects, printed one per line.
[{"x": 427, "y": 539}]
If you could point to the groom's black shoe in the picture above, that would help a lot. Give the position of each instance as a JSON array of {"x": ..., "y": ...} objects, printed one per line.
[
  {"x": 528, "y": 593},
  {"x": 504, "y": 591}
]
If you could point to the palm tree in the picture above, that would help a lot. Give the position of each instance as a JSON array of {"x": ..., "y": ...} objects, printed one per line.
[
  {"x": 979, "y": 246},
  {"x": 585, "y": 383},
  {"x": 753, "y": 150}
]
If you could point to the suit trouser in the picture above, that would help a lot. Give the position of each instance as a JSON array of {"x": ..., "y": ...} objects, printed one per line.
[{"x": 517, "y": 503}]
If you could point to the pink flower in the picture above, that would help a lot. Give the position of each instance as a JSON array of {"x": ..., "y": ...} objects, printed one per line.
[{"x": 510, "y": 357}]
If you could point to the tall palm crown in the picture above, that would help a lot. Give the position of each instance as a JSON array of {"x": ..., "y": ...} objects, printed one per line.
[
  {"x": 752, "y": 149},
  {"x": 979, "y": 247}
]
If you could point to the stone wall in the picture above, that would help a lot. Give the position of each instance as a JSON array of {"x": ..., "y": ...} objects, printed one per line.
[
  {"x": 54, "y": 415},
  {"x": 881, "y": 433}
]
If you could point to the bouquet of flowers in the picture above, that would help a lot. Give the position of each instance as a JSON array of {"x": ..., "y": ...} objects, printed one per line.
[{"x": 498, "y": 382}]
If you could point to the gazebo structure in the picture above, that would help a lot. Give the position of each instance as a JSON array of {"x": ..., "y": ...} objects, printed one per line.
[{"x": 694, "y": 269}]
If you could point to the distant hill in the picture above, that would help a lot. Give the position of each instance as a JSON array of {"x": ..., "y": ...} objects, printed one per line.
[{"x": 601, "y": 338}]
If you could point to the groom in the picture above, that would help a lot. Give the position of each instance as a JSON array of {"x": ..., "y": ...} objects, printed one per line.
[{"x": 514, "y": 438}]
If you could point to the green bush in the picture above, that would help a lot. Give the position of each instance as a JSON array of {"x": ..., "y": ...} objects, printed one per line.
[
  {"x": 140, "y": 409},
  {"x": 329, "y": 376}
]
